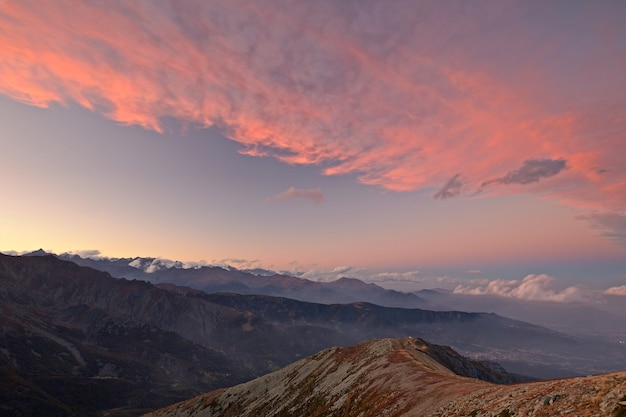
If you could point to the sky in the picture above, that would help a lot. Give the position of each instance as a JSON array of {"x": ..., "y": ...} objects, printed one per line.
[{"x": 410, "y": 143}]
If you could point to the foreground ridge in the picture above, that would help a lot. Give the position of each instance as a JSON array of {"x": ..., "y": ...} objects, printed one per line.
[{"x": 402, "y": 377}]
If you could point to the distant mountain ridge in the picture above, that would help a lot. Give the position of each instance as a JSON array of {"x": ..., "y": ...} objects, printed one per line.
[
  {"x": 213, "y": 279},
  {"x": 605, "y": 318},
  {"x": 485, "y": 339}
]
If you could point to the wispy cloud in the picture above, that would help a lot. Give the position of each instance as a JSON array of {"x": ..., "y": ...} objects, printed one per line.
[
  {"x": 314, "y": 195},
  {"x": 611, "y": 225},
  {"x": 616, "y": 290},
  {"x": 323, "y": 275},
  {"x": 86, "y": 253},
  {"x": 406, "y": 276},
  {"x": 342, "y": 269},
  {"x": 531, "y": 171},
  {"x": 452, "y": 188},
  {"x": 532, "y": 287},
  {"x": 402, "y": 95},
  {"x": 413, "y": 280}
]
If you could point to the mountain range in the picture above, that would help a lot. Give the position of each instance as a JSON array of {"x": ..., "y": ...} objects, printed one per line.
[
  {"x": 540, "y": 353},
  {"x": 213, "y": 279},
  {"x": 78, "y": 341},
  {"x": 603, "y": 316}
]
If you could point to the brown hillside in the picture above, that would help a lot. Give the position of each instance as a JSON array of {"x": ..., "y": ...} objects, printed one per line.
[{"x": 401, "y": 377}]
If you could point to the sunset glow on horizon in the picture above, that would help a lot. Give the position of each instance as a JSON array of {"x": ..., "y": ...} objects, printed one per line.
[{"x": 387, "y": 136}]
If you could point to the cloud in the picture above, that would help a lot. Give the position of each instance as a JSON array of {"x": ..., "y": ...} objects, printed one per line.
[
  {"x": 313, "y": 194},
  {"x": 342, "y": 269},
  {"x": 152, "y": 265},
  {"x": 238, "y": 263},
  {"x": 406, "y": 281},
  {"x": 322, "y": 275},
  {"x": 616, "y": 290},
  {"x": 407, "y": 276},
  {"x": 401, "y": 95},
  {"x": 611, "y": 225},
  {"x": 87, "y": 253},
  {"x": 532, "y": 287},
  {"x": 424, "y": 281},
  {"x": 452, "y": 188},
  {"x": 531, "y": 171}
]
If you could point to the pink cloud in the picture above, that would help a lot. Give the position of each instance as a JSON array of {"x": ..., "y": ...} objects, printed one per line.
[{"x": 408, "y": 96}]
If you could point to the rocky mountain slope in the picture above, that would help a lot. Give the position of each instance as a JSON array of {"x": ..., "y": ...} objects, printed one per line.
[
  {"x": 74, "y": 341},
  {"x": 402, "y": 377}
]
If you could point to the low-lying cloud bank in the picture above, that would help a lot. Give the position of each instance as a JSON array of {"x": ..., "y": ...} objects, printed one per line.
[{"x": 531, "y": 288}]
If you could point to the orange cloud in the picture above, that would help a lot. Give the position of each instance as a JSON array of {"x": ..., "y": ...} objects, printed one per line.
[{"x": 405, "y": 95}]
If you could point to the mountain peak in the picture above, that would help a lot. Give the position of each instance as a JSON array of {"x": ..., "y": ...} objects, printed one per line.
[
  {"x": 348, "y": 282},
  {"x": 400, "y": 377},
  {"x": 38, "y": 252},
  {"x": 365, "y": 379}
]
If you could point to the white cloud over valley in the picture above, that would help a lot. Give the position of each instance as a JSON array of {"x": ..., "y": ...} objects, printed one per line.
[{"x": 532, "y": 288}]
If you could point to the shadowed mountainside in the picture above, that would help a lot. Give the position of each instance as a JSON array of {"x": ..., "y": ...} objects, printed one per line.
[
  {"x": 540, "y": 355},
  {"x": 602, "y": 317},
  {"x": 520, "y": 347},
  {"x": 401, "y": 377},
  {"x": 74, "y": 341}
]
